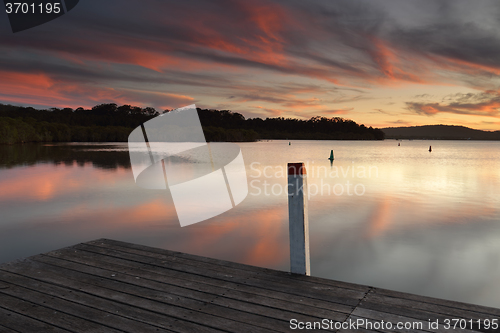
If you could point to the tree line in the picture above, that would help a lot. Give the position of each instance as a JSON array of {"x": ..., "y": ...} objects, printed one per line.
[
  {"x": 31, "y": 154},
  {"x": 113, "y": 123}
]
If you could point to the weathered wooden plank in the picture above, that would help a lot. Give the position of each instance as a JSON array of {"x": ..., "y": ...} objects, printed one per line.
[
  {"x": 432, "y": 308},
  {"x": 214, "y": 304},
  {"x": 146, "y": 250},
  {"x": 415, "y": 314},
  {"x": 438, "y": 301},
  {"x": 112, "y": 287},
  {"x": 352, "y": 321},
  {"x": 21, "y": 323},
  {"x": 360, "y": 331},
  {"x": 102, "y": 304},
  {"x": 225, "y": 297},
  {"x": 71, "y": 290},
  {"x": 5, "y": 329},
  {"x": 208, "y": 285},
  {"x": 289, "y": 285},
  {"x": 374, "y": 315},
  {"x": 91, "y": 314},
  {"x": 230, "y": 284},
  {"x": 51, "y": 316}
]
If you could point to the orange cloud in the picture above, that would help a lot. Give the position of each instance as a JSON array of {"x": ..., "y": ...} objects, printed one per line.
[
  {"x": 158, "y": 210},
  {"x": 42, "y": 89},
  {"x": 261, "y": 43},
  {"x": 47, "y": 182},
  {"x": 267, "y": 250},
  {"x": 489, "y": 108},
  {"x": 383, "y": 215},
  {"x": 392, "y": 64},
  {"x": 262, "y": 230},
  {"x": 381, "y": 218}
]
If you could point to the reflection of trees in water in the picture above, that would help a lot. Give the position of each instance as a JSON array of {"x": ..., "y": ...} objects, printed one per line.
[{"x": 30, "y": 154}]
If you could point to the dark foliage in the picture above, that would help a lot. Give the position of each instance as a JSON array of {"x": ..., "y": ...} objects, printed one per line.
[
  {"x": 112, "y": 123},
  {"x": 103, "y": 156},
  {"x": 316, "y": 128}
]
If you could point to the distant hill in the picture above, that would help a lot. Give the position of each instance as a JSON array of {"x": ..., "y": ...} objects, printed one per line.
[{"x": 439, "y": 132}]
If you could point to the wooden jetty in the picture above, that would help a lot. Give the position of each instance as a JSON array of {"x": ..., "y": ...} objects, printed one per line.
[{"x": 112, "y": 286}]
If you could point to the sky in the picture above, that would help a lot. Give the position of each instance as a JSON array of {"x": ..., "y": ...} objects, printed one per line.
[{"x": 382, "y": 63}]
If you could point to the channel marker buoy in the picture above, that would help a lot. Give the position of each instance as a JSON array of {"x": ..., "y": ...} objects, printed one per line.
[{"x": 331, "y": 155}]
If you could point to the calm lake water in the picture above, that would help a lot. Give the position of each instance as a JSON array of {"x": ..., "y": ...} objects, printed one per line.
[{"x": 401, "y": 218}]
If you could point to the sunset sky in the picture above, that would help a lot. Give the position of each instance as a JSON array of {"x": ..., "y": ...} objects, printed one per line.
[{"x": 381, "y": 63}]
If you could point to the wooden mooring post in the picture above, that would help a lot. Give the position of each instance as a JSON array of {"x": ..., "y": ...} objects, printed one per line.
[{"x": 298, "y": 220}]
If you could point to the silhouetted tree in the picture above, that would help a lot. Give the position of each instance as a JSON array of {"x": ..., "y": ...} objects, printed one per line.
[{"x": 109, "y": 122}]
